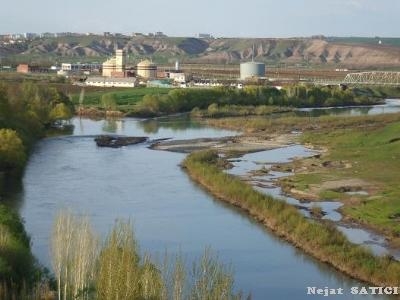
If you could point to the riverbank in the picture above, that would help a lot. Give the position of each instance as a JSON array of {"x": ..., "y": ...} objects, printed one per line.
[
  {"x": 28, "y": 112},
  {"x": 228, "y": 145},
  {"x": 322, "y": 241},
  {"x": 221, "y": 101},
  {"x": 360, "y": 168},
  {"x": 357, "y": 164}
]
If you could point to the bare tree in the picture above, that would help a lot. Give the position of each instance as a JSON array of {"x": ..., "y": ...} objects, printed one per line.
[
  {"x": 74, "y": 251},
  {"x": 179, "y": 276},
  {"x": 61, "y": 241}
]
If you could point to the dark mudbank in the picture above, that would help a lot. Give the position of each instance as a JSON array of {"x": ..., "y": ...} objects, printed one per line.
[{"x": 118, "y": 141}]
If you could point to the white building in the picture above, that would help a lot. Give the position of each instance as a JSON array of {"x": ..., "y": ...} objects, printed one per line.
[
  {"x": 112, "y": 82},
  {"x": 178, "y": 77},
  {"x": 67, "y": 67}
]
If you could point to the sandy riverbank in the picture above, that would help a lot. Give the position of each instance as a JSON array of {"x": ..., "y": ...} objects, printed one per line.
[{"x": 238, "y": 144}]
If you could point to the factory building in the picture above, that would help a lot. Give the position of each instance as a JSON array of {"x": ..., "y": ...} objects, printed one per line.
[
  {"x": 177, "y": 75},
  {"x": 252, "y": 69},
  {"x": 111, "y": 82},
  {"x": 78, "y": 68},
  {"x": 146, "y": 69},
  {"x": 115, "y": 66}
]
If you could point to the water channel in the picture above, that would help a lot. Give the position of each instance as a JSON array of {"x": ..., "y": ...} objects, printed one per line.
[{"x": 168, "y": 210}]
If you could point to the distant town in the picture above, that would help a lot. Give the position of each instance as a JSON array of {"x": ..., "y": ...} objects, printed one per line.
[
  {"x": 15, "y": 38},
  {"x": 156, "y": 60}
]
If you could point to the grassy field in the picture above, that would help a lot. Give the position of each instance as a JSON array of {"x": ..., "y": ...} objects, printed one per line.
[
  {"x": 374, "y": 157},
  {"x": 125, "y": 97}
]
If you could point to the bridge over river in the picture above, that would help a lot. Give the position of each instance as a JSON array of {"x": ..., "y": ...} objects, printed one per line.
[{"x": 365, "y": 78}]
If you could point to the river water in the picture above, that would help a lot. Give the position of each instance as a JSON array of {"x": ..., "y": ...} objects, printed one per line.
[
  {"x": 169, "y": 212},
  {"x": 390, "y": 106}
]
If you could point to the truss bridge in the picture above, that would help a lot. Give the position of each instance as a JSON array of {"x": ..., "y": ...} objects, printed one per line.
[{"x": 373, "y": 78}]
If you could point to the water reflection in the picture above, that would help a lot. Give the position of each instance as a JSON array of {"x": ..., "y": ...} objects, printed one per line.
[
  {"x": 110, "y": 125},
  {"x": 182, "y": 123}
]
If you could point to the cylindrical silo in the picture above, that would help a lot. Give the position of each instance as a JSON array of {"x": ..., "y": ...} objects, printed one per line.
[
  {"x": 147, "y": 69},
  {"x": 252, "y": 69}
]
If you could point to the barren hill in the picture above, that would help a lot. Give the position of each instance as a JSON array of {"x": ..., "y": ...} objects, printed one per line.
[{"x": 345, "y": 52}]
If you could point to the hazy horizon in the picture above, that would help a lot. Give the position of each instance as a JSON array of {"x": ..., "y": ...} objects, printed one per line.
[{"x": 261, "y": 18}]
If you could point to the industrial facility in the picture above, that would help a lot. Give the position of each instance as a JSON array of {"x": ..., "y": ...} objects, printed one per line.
[
  {"x": 251, "y": 70},
  {"x": 146, "y": 69},
  {"x": 177, "y": 75},
  {"x": 115, "y": 66},
  {"x": 112, "y": 82}
]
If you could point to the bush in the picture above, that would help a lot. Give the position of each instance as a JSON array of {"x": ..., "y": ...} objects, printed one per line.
[{"x": 12, "y": 151}]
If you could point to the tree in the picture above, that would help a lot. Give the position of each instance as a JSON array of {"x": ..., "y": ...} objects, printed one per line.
[
  {"x": 4, "y": 104},
  {"x": 108, "y": 101},
  {"x": 74, "y": 252},
  {"x": 212, "y": 109},
  {"x": 212, "y": 280},
  {"x": 118, "y": 270},
  {"x": 12, "y": 150},
  {"x": 60, "y": 112}
]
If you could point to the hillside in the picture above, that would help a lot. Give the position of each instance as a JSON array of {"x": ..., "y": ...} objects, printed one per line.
[{"x": 344, "y": 52}]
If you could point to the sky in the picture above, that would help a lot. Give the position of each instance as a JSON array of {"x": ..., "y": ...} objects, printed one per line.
[{"x": 221, "y": 18}]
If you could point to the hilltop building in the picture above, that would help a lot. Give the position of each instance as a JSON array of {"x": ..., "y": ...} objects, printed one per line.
[
  {"x": 115, "y": 66},
  {"x": 205, "y": 36}
]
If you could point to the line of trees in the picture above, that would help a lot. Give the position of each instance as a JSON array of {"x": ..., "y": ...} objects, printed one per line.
[
  {"x": 85, "y": 268},
  {"x": 26, "y": 112},
  {"x": 185, "y": 100}
]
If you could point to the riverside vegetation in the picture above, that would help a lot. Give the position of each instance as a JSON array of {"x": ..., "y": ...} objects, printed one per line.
[
  {"x": 320, "y": 240},
  {"x": 186, "y": 100},
  {"x": 227, "y": 101},
  {"x": 87, "y": 269},
  {"x": 27, "y": 113}
]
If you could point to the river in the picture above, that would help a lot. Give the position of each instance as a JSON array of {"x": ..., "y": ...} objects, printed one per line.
[{"x": 169, "y": 212}]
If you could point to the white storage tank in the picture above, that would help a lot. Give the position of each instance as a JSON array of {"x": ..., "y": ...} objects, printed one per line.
[
  {"x": 252, "y": 69},
  {"x": 146, "y": 69}
]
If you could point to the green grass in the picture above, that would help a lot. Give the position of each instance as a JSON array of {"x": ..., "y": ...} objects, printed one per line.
[
  {"x": 301, "y": 181},
  {"x": 375, "y": 158},
  {"x": 125, "y": 97}
]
